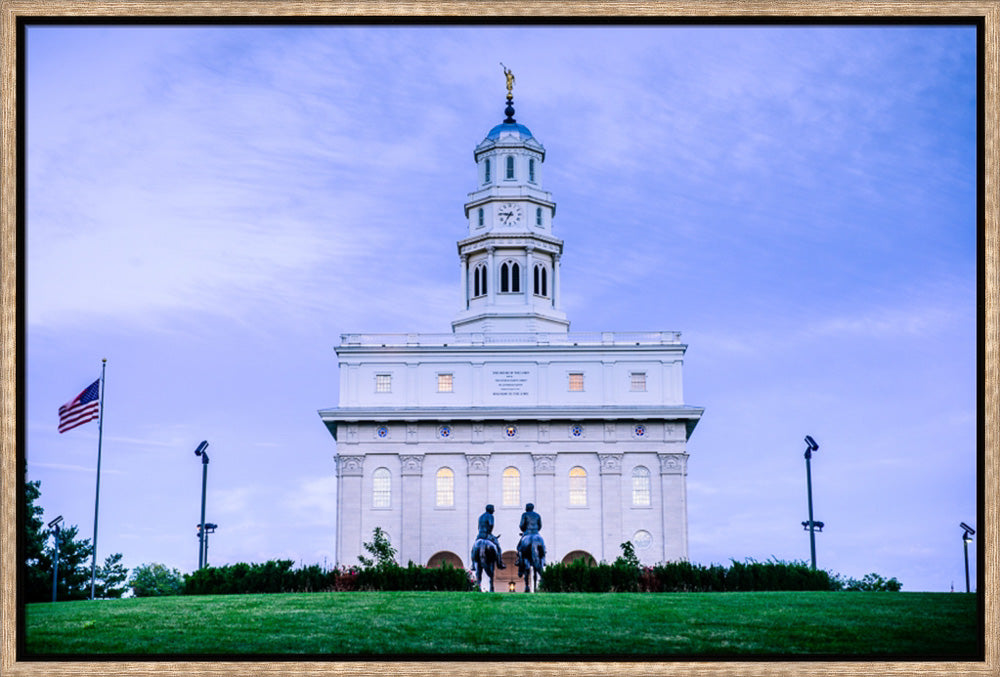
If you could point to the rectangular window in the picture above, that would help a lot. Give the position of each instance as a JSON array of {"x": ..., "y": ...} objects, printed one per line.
[
  {"x": 531, "y": 170},
  {"x": 510, "y": 166},
  {"x": 576, "y": 383},
  {"x": 538, "y": 216},
  {"x": 486, "y": 164},
  {"x": 445, "y": 383},
  {"x": 638, "y": 381},
  {"x": 383, "y": 383}
]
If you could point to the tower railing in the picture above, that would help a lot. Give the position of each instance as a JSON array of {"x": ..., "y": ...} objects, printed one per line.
[{"x": 606, "y": 338}]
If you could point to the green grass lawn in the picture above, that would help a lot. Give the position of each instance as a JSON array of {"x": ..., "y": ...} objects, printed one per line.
[{"x": 386, "y": 624}]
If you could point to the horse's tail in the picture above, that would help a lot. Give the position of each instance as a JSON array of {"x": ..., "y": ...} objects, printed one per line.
[{"x": 536, "y": 557}]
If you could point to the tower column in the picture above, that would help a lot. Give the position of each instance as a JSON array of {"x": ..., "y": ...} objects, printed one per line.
[
  {"x": 491, "y": 288},
  {"x": 529, "y": 279},
  {"x": 556, "y": 292},
  {"x": 464, "y": 276},
  {"x": 611, "y": 504}
]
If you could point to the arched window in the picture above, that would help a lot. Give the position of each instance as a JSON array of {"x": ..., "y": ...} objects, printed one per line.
[
  {"x": 381, "y": 488},
  {"x": 510, "y": 277},
  {"x": 510, "y": 166},
  {"x": 445, "y": 488},
  {"x": 578, "y": 486},
  {"x": 541, "y": 281},
  {"x": 640, "y": 486},
  {"x": 479, "y": 280},
  {"x": 486, "y": 167},
  {"x": 480, "y": 216},
  {"x": 538, "y": 216},
  {"x": 531, "y": 170},
  {"x": 511, "y": 487}
]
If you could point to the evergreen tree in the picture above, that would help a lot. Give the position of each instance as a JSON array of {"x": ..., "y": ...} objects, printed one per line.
[
  {"x": 38, "y": 565},
  {"x": 111, "y": 578},
  {"x": 74, "y": 559}
]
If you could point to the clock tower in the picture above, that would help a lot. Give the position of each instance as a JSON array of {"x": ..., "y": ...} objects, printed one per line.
[{"x": 510, "y": 258}]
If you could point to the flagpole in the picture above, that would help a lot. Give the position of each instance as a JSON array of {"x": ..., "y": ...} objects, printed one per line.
[{"x": 97, "y": 494}]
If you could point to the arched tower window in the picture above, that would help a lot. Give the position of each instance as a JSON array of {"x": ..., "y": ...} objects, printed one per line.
[
  {"x": 511, "y": 487},
  {"x": 510, "y": 166},
  {"x": 531, "y": 170},
  {"x": 510, "y": 277},
  {"x": 479, "y": 280},
  {"x": 445, "y": 488},
  {"x": 578, "y": 486},
  {"x": 640, "y": 486},
  {"x": 381, "y": 488},
  {"x": 541, "y": 287},
  {"x": 486, "y": 170}
]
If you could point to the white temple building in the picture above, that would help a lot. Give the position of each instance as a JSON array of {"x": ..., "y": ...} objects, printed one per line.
[{"x": 511, "y": 407}]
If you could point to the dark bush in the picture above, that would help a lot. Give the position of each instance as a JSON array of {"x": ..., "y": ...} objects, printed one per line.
[{"x": 270, "y": 577}]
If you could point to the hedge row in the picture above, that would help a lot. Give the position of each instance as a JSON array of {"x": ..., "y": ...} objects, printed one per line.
[
  {"x": 271, "y": 576},
  {"x": 278, "y": 576},
  {"x": 684, "y": 577}
]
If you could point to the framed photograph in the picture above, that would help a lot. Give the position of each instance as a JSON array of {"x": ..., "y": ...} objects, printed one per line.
[{"x": 332, "y": 329}]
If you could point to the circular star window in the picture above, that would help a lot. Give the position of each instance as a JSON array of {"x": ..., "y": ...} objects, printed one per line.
[
  {"x": 382, "y": 431},
  {"x": 640, "y": 430},
  {"x": 444, "y": 431},
  {"x": 511, "y": 431},
  {"x": 576, "y": 430}
]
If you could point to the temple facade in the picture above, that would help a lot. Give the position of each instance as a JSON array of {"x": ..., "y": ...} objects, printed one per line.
[{"x": 510, "y": 407}]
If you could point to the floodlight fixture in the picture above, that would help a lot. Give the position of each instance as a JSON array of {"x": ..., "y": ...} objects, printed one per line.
[
  {"x": 967, "y": 532},
  {"x": 54, "y": 524},
  {"x": 811, "y": 443}
]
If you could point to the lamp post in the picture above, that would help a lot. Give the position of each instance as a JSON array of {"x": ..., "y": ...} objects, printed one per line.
[
  {"x": 54, "y": 525},
  {"x": 967, "y": 532},
  {"x": 209, "y": 529},
  {"x": 811, "y": 525},
  {"x": 200, "y": 451}
]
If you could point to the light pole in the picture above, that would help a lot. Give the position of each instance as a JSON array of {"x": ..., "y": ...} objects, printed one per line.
[
  {"x": 811, "y": 525},
  {"x": 209, "y": 529},
  {"x": 967, "y": 532},
  {"x": 54, "y": 525},
  {"x": 200, "y": 451}
]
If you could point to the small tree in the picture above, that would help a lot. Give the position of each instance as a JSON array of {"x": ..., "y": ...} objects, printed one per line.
[
  {"x": 380, "y": 549},
  {"x": 111, "y": 578},
  {"x": 155, "y": 580}
]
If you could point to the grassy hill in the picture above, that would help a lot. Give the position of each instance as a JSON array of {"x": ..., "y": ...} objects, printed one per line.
[{"x": 387, "y": 624}]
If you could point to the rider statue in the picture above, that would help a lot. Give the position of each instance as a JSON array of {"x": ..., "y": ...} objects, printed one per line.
[
  {"x": 531, "y": 523},
  {"x": 486, "y": 522}
]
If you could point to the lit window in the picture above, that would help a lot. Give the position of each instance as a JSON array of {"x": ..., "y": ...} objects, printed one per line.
[
  {"x": 531, "y": 170},
  {"x": 640, "y": 486},
  {"x": 538, "y": 216},
  {"x": 576, "y": 383},
  {"x": 638, "y": 381},
  {"x": 381, "y": 488},
  {"x": 445, "y": 488},
  {"x": 511, "y": 487},
  {"x": 578, "y": 486},
  {"x": 383, "y": 383},
  {"x": 486, "y": 165},
  {"x": 445, "y": 383},
  {"x": 510, "y": 166},
  {"x": 481, "y": 216}
]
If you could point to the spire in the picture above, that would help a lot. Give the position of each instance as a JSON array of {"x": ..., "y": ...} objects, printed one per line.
[{"x": 509, "y": 111}]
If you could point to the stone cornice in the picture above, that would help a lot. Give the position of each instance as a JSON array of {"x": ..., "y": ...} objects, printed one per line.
[{"x": 526, "y": 413}]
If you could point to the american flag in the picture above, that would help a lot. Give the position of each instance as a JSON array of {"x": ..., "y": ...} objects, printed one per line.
[{"x": 81, "y": 409}]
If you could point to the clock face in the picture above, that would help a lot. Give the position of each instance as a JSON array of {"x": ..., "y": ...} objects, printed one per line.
[{"x": 510, "y": 214}]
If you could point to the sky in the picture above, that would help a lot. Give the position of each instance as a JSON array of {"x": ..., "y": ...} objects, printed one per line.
[{"x": 210, "y": 207}]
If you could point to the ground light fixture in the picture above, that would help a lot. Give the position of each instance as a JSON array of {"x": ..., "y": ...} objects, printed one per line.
[
  {"x": 811, "y": 526},
  {"x": 54, "y": 526},
  {"x": 201, "y": 451},
  {"x": 967, "y": 533}
]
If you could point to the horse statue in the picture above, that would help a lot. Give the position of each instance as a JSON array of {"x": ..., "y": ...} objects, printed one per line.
[
  {"x": 485, "y": 556},
  {"x": 530, "y": 560}
]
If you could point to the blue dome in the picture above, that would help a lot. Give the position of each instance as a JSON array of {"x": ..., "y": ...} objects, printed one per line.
[{"x": 509, "y": 127}]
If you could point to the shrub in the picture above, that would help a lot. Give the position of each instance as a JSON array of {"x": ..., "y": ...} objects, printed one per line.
[{"x": 155, "y": 580}]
